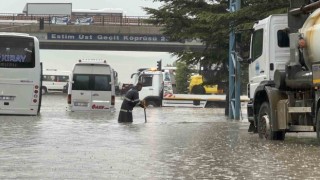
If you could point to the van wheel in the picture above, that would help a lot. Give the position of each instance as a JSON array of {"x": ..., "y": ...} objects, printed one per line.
[
  {"x": 44, "y": 90},
  {"x": 198, "y": 90}
]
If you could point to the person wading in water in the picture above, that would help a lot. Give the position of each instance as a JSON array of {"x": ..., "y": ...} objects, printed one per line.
[{"x": 131, "y": 99}]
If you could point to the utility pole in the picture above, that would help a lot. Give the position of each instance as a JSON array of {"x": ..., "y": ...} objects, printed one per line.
[{"x": 234, "y": 69}]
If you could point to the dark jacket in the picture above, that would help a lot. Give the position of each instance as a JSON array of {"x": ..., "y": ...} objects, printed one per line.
[{"x": 131, "y": 99}]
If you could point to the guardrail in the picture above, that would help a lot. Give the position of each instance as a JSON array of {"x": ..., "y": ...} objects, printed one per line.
[{"x": 100, "y": 20}]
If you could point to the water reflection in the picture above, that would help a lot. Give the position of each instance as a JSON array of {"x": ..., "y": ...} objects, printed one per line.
[{"x": 175, "y": 143}]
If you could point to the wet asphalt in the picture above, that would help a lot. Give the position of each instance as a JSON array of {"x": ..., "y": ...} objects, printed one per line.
[{"x": 175, "y": 143}]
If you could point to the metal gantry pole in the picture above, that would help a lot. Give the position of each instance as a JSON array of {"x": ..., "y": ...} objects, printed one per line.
[{"x": 234, "y": 70}]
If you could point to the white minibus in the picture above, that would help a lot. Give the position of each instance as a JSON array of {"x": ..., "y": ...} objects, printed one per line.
[
  {"x": 20, "y": 74},
  {"x": 91, "y": 86},
  {"x": 54, "y": 80}
]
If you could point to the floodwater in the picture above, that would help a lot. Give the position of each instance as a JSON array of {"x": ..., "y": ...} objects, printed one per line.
[{"x": 175, "y": 143}]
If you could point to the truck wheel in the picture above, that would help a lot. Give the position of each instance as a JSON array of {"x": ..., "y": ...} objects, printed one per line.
[
  {"x": 318, "y": 125},
  {"x": 198, "y": 90},
  {"x": 265, "y": 125},
  {"x": 151, "y": 104}
]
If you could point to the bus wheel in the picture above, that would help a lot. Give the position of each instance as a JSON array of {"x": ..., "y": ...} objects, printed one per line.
[{"x": 44, "y": 90}]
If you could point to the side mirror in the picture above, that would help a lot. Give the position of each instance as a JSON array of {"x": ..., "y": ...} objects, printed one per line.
[
  {"x": 133, "y": 75},
  {"x": 242, "y": 45},
  {"x": 243, "y": 58}
]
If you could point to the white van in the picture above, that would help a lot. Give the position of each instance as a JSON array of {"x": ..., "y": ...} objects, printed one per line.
[
  {"x": 54, "y": 80},
  {"x": 91, "y": 86}
]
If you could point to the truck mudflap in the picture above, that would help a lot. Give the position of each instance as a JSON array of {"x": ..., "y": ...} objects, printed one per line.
[{"x": 250, "y": 111}]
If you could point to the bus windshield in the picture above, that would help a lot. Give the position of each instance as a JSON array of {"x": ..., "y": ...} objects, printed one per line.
[{"x": 17, "y": 52}]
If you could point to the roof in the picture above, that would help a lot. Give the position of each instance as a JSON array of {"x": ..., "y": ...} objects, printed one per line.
[{"x": 105, "y": 11}]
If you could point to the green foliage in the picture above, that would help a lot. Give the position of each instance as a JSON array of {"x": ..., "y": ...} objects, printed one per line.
[
  {"x": 210, "y": 21},
  {"x": 182, "y": 77}
]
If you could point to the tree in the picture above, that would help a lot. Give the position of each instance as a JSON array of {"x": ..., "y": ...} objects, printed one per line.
[
  {"x": 182, "y": 77},
  {"x": 210, "y": 21}
]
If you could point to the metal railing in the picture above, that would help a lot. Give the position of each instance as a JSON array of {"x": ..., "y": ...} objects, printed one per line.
[{"x": 100, "y": 20}]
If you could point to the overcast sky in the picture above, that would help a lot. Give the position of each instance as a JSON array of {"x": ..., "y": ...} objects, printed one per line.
[
  {"x": 131, "y": 7},
  {"x": 125, "y": 63}
]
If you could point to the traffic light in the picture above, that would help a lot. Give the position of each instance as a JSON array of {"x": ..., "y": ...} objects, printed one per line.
[{"x": 159, "y": 65}]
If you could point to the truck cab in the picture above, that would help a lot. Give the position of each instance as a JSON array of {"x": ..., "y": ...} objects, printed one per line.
[
  {"x": 152, "y": 85},
  {"x": 269, "y": 50}
]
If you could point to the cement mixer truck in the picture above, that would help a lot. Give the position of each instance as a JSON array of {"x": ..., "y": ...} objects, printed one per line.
[{"x": 284, "y": 72}]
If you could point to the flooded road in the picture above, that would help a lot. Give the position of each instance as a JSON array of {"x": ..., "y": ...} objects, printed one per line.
[{"x": 175, "y": 143}]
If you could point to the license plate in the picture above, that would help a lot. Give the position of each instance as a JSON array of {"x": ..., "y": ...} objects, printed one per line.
[
  {"x": 7, "y": 98},
  {"x": 83, "y": 104}
]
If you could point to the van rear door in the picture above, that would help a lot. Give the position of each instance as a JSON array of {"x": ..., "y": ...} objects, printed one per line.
[
  {"x": 101, "y": 92},
  {"x": 81, "y": 93},
  {"x": 101, "y": 87}
]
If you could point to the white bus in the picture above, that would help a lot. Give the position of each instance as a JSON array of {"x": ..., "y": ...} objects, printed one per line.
[
  {"x": 91, "y": 86},
  {"x": 54, "y": 80},
  {"x": 20, "y": 74}
]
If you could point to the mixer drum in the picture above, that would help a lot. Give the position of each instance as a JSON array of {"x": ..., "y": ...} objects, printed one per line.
[{"x": 311, "y": 33}]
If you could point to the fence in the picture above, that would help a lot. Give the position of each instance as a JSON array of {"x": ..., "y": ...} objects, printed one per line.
[{"x": 100, "y": 20}]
